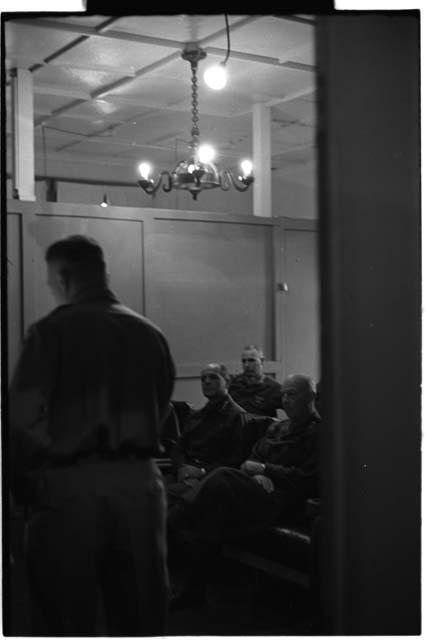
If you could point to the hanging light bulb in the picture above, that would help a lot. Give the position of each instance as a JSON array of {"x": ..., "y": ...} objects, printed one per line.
[
  {"x": 105, "y": 201},
  {"x": 206, "y": 153},
  {"x": 196, "y": 172},
  {"x": 216, "y": 76}
]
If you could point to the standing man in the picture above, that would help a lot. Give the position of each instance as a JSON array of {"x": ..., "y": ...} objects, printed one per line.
[
  {"x": 87, "y": 401},
  {"x": 252, "y": 389}
]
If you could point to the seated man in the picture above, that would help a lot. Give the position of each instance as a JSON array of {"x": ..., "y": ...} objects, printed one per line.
[
  {"x": 279, "y": 476},
  {"x": 252, "y": 389},
  {"x": 211, "y": 436}
]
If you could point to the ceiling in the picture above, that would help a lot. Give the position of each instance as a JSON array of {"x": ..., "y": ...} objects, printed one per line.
[{"x": 117, "y": 89}]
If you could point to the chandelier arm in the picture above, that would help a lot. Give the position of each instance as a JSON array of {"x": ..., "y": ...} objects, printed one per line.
[
  {"x": 224, "y": 180},
  {"x": 240, "y": 184},
  {"x": 168, "y": 186},
  {"x": 149, "y": 186}
]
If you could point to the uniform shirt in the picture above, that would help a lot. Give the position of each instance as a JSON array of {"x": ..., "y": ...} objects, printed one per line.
[
  {"x": 92, "y": 376},
  {"x": 262, "y": 397},
  {"x": 212, "y": 436},
  {"x": 289, "y": 450}
]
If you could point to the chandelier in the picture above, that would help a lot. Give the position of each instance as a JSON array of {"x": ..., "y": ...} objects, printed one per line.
[{"x": 197, "y": 172}]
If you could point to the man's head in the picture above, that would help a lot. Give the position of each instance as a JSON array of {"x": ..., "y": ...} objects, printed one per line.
[
  {"x": 214, "y": 381},
  {"x": 252, "y": 361},
  {"x": 298, "y": 396},
  {"x": 72, "y": 263}
]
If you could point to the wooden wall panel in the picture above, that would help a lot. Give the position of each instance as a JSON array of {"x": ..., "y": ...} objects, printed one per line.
[
  {"x": 209, "y": 281},
  {"x": 122, "y": 243},
  {"x": 301, "y": 330},
  {"x": 14, "y": 289},
  {"x": 189, "y": 390},
  {"x": 211, "y": 287}
]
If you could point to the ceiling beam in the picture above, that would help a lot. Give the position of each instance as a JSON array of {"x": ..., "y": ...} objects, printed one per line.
[
  {"x": 296, "y": 18},
  {"x": 252, "y": 57},
  {"x": 92, "y": 32},
  {"x": 165, "y": 60},
  {"x": 71, "y": 45},
  {"x": 125, "y": 36},
  {"x": 83, "y": 66},
  {"x": 54, "y": 90}
]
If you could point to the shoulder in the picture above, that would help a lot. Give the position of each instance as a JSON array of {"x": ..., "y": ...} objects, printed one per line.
[
  {"x": 233, "y": 407},
  {"x": 271, "y": 383},
  {"x": 49, "y": 321},
  {"x": 236, "y": 379},
  {"x": 278, "y": 426}
]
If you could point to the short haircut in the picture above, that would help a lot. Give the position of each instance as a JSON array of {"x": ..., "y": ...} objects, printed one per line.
[
  {"x": 304, "y": 383},
  {"x": 79, "y": 256},
  {"x": 217, "y": 368},
  {"x": 254, "y": 346}
]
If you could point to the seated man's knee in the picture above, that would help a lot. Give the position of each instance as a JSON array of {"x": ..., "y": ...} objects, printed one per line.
[{"x": 218, "y": 479}]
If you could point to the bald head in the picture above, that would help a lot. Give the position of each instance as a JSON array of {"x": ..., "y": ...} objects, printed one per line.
[{"x": 298, "y": 396}]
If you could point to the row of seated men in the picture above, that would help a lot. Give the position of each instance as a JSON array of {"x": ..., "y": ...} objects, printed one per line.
[{"x": 236, "y": 468}]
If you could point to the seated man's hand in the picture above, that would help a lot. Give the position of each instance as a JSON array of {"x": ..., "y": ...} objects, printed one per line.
[
  {"x": 252, "y": 468},
  {"x": 192, "y": 482},
  {"x": 265, "y": 482},
  {"x": 189, "y": 471}
]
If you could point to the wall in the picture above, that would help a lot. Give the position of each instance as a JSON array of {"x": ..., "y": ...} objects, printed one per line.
[
  {"x": 208, "y": 280},
  {"x": 294, "y": 192},
  {"x": 371, "y": 316}
]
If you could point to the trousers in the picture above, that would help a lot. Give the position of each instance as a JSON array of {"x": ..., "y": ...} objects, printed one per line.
[
  {"x": 225, "y": 505},
  {"x": 98, "y": 534}
]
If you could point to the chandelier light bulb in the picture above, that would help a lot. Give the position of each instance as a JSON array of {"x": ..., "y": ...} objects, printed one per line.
[
  {"x": 206, "y": 153},
  {"x": 197, "y": 172},
  {"x": 144, "y": 170},
  {"x": 247, "y": 167},
  {"x": 104, "y": 202},
  {"x": 215, "y": 77}
]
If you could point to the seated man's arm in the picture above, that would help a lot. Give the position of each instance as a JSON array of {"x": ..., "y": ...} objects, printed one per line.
[
  {"x": 303, "y": 475},
  {"x": 177, "y": 453}
]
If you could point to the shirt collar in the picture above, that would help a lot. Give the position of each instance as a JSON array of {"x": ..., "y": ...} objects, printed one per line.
[{"x": 94, "y": 293}]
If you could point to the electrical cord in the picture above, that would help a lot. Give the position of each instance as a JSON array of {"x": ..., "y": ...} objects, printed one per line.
[{"x": 228, "y": 40}]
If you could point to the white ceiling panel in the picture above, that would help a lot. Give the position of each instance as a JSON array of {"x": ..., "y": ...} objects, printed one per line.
[
  {"x": 115, "y": 53},
  {"x": 34, "y": 42},
  {"x": 270, "y": 36},
  {"x": 262, "y": 83},
  {"x": 305, "y": 55},
  {"x": 73, "y": 79},
  {"x": 153, "y": 90},
  {"x": 77, "y": 125},
  {"x": 183, "y": 28},
  {"x": 290, "y": 137},
  {"x": 81, "y": 19},
  {"x": 47, "y": 103},
  {"x": 104, "y": 110},
  {"x": 300, "y": 110},
  {"x": 133, "y": 99}
]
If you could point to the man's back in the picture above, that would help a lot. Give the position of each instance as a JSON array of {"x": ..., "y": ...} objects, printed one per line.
[{"x": 107, "y": 374}]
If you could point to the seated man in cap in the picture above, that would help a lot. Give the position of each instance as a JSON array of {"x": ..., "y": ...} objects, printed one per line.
[
  {"x": 280, "y": 474},
  {"x": 252, "y": 389},
  {"x": 211, "y": 436}
]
